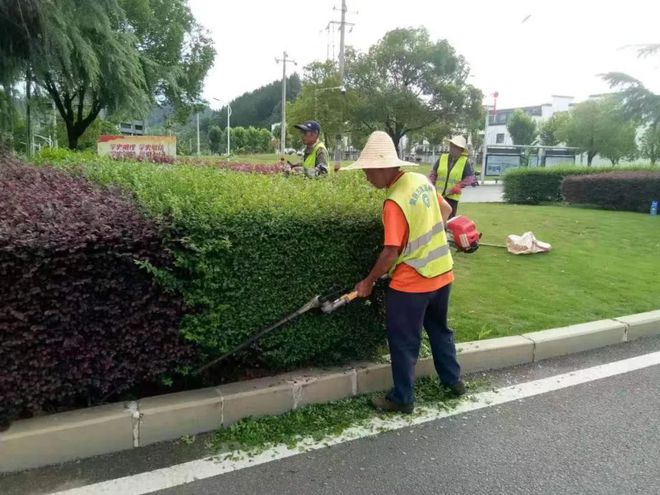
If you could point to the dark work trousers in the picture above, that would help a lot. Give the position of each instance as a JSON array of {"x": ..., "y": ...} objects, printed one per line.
[
  {"x": 454, "y": 207},
  {"x": 407, "y": 313}
]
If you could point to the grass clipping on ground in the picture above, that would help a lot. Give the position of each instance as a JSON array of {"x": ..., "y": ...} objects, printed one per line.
[{"x": 320, "y": 422}]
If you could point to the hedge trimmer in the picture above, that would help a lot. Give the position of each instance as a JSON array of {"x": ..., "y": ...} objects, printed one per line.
[{"x": 325, "y": 303}]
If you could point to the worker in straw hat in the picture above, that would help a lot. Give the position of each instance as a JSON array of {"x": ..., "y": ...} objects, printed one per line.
[
  {"x": 452, "y": 172},
  {"x": 417, "y": 258}
]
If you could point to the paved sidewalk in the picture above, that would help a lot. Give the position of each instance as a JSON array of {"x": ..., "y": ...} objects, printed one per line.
[{"x": 487, "y": 193}]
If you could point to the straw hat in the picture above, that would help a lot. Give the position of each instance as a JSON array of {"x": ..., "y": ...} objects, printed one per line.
[
  {"x": 459, "y": 141},
  {"x": 379, "y": 152}
]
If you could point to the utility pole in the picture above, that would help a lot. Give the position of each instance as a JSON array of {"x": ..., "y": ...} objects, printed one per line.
[
  {"x": 342, "y": 63},
  {"x": 228, "y": 128},
  {"x": 285, "y": 58},
  {"x": 342, "y": 39}
]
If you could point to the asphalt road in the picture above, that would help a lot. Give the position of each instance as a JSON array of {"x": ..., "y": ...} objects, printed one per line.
[{"x": 600, "y": 437}]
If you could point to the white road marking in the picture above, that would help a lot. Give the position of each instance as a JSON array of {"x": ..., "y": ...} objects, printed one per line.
[{"x": 188, "y": 472}]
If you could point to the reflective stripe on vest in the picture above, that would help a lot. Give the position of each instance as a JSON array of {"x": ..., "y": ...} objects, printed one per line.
[
  {"x": 453, "y": 177},
  {"x": 310, "y": 161},
  {"x": 427, "y": 250}
]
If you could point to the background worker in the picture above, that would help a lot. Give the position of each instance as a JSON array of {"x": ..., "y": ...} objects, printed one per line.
[
  {"x": 417, "y": 257},
  {"x": 452, "y": 172},
  {"x": 315, "y": 156}
]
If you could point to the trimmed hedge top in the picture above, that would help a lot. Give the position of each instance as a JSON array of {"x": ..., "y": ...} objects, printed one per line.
[
  {"x": 249, "y": 249},
  {"x": 623, "y": 191},
  {"x": 534, "y": 185}
]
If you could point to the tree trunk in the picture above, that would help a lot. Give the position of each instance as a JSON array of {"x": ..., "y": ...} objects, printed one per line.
[
  {"x": 72, "y": 137},
  {"x": 396, "y": 139},
  {"x": 590, "y": 157},
  {"x": 28, "y": 114},
  {"x": 75, "y": 129}
]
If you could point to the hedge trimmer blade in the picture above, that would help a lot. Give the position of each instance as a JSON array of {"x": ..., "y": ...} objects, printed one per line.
[{"x": 313, "y": 303}]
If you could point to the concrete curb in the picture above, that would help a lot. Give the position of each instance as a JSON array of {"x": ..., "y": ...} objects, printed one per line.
[{"x": 88, "y": 432}]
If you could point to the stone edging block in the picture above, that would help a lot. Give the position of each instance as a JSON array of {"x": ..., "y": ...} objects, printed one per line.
[
  {"x": 496, "y": 353},
  {"x": 576, "y": 338},
  {"x": 99, "y": 430},
  {"x": 642, "y": 324},
  {"x": 66, "y": 436},
  {"x": 174, "y": 415}
]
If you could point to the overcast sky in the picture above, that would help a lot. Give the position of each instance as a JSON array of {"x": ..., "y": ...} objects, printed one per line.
[{"x": 560, "y": 49}]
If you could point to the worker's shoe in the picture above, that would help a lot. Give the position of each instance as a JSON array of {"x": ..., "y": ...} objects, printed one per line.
[
  {"x": 457, "y": 389},
  {"x": 386, "y": 405}
]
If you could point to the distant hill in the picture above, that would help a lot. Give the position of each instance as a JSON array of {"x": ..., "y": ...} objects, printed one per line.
[{"x": 263, "y": 106}]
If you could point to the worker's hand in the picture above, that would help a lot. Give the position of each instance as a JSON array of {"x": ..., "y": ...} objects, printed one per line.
[
  {"x": 364, "y": 288},
  {"x": 455, "y": 190}
]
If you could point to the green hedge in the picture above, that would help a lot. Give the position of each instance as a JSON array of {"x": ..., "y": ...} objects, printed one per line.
[
  {"x": 249, "y": 249},
  {"x": 623, "y": 191},
  {"x": 541, "y": 185}
]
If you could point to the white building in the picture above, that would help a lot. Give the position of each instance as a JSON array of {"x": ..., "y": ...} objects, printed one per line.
[{"x": 497, "y": 132}]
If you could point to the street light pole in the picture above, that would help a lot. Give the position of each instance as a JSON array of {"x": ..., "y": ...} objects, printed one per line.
[
  {"x": 283, "y": 125},
  {"x": 285, "y": 58},
  {"x": 228, "y": 128},
  {"x": 485, "y": 145}
]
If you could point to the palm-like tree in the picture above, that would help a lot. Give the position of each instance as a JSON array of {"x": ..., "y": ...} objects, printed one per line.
[{"x": 639, "y": 102}]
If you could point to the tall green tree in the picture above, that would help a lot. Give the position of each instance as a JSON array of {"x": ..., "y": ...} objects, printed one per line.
[
  {"x": 617, "y": 134},
  {"x": 548, "y": 130},
  {"x": 640, "y": 103},
  {"x": 215, "y": 139},
  {"x": 599, "y": 126},
  {"x": 320, "y": 99},
  {"x": 87, "y": 64},
  {"x": 522, "y": 128},
  {"x": 650, "y": 144},
  {"x": 117, "y": 56},
  {"x": 407, "y": 82},
  {"x": 20, "y": 23}
]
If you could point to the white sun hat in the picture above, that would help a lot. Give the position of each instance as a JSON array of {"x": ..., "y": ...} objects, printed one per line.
[
  {"x": 459, "y": 141},
  {"x": 379, "y": 152}
]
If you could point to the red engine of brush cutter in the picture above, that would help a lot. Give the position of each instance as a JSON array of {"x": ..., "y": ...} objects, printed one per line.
[{"x": 462, "y": 233}]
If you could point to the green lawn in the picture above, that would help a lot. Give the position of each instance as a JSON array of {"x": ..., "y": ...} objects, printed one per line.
[{"x": 603, "y": 264}]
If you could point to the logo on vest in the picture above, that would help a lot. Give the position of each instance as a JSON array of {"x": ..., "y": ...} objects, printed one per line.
[{"x": 423, "y": 193}]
